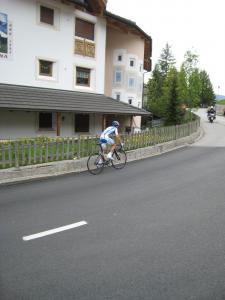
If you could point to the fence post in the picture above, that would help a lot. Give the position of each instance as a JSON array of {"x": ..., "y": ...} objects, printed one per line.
[
  {"x": 35, "y": 150},
  {"x": 16, "y": 155},
  {"x": 67, "y": 148},
  {"x": 3, "y": 156},
  {"x": 176, "y": 132},
  {"x": 79, "y": 147},
  {"x": 10, "y": 155},
  {"x": 154, "y": 135},
  {"x": 46, "y": 150}
]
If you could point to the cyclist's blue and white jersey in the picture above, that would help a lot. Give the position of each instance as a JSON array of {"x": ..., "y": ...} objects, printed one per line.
[{"x": 107, "y": 134}]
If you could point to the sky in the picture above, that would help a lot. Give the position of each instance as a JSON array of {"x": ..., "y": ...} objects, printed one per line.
[{"x": 194, "y": 25}]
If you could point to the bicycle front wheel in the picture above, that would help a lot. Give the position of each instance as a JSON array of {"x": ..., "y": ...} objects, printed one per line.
[
  {"x": 119, "y": 159},
  {"x": 95, "y": 164}
]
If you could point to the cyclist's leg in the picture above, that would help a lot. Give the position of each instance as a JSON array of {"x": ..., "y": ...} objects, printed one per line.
[
  {"x": 103, "y": 145},
  {"x": 112, "y": 147}
]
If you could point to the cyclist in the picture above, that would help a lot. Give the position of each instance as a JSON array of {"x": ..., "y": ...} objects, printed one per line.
[{"x": 107, "y": 138}]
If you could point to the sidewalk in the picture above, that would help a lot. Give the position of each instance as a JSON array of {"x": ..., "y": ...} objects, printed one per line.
[{"x": 46, "y": 170}]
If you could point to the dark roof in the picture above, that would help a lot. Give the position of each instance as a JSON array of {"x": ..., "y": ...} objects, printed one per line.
[
  {"x": 126, "y": 21},
  {"x": 17, "y": 97}
]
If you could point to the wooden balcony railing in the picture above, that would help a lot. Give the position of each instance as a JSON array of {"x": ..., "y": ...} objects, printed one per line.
[{"x": 84, "y": 47}]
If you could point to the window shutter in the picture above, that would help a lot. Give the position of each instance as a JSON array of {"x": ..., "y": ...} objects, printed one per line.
[
  {"x": 84, "y": 29},
  {"x": 47, "y": 15}
]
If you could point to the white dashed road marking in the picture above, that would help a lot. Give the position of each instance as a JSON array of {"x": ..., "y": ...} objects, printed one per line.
[{"x": 53, "y": 231}]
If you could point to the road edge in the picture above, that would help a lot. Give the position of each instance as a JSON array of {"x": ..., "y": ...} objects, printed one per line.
[{"x": 53, "y": 169}]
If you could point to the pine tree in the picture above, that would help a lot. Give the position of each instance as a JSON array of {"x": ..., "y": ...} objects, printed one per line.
[
  {"x": 195, "y": 88},
  {"x": 154, "y": 92},
  {"x": 182, "y": 89},
  {"x": 207, "y": 95},
  {"x": 155, "y": 103},
  {"x": 170, "y": 95},
  {"x": 166, "y": 60}
]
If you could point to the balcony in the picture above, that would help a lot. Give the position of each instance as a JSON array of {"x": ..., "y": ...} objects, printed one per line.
[{"x": 84, "y": 47}]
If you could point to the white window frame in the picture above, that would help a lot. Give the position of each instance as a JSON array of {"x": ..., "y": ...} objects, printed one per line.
[
  {"x": 90, "y": 88},
  {"x": 54, "y": 76}
]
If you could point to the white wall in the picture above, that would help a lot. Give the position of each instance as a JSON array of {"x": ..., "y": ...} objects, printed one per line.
[
  {"x": 32, "y": 40},
  {"x": 14, "y": 124},
  {"x": 128, "y": 46}
]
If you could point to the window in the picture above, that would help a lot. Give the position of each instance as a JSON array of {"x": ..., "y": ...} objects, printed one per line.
[
  {"x": 118, "y": 77},
  {"x": 46, "y": 15},
  {"x": 45, "y": 68},
  {"x": 118, "y": 96},
  {"x": 84, "y": 29},
  {"x": 81, "y": 123},
  {"x": 132, "y": 62},
  {"x": 82, "y": 76},
  {"x": 120, "y": 57},
  {"x": 131, "y": 82},
  {"x": 45, "y": 120}
]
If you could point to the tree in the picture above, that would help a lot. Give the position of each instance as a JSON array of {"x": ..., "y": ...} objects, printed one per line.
[
  {"x": 166, "y": 60},
  {"x": 190, "y": 63},
  {"x": 170, "y": 95},
  {"x": 207, "y": 95},
  {"x": 194, "y": 88},
  {"x": 155, "y": 102},
  {"x": 182, "y": 90},
  {"x": 154, "y": 92}
]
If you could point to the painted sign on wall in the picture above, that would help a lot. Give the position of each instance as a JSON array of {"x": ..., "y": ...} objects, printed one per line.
[{"x": 5, "y": 37}]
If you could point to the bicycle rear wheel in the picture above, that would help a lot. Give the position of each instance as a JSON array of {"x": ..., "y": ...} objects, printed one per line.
[
  {"x": 119, "y": 159},
  {"x": 95, "y": 164}
]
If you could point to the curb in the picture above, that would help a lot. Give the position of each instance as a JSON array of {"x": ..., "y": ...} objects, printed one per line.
[{"x": 53, "y": 169}]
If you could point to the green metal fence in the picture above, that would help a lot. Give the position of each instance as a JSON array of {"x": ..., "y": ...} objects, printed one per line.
[{"x": 23, "y": 152}]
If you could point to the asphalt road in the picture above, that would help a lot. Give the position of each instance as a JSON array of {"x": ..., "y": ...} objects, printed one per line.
[{"x": 155, "y": 230}]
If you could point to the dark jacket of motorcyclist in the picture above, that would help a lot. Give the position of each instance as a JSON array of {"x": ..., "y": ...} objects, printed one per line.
[{"x": 211, "y": 110}]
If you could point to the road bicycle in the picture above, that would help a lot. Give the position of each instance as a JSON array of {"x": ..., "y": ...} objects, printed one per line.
[{"x": 97, "y": 162}]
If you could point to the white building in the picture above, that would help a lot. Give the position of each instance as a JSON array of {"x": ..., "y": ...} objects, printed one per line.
[{"x": 60, "y": 68}]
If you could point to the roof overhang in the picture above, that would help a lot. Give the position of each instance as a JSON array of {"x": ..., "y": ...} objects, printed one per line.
[
  {"x": 26, "y": 98},
  {"x": 94, "y": 6},
  {"x": 129, "y": 26}
]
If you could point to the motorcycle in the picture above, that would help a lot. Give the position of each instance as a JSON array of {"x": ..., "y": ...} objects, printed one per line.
[{"x": 211, "y": 117}]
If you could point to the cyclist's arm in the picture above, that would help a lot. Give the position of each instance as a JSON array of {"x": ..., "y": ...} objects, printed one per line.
[{"x": 118, "y": 138}]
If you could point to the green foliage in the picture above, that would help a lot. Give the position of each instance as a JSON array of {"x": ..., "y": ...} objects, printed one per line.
[
  {"x": 207, "y": 95},
  {"x": 194, "y": 88},
  {"x": 169, "y": 92},
  {"x": 170, "y": 95},
  {"x": 155, "y": 102},
  {"x": 190, "y": 63},
  {"x": 166, "y": 60},
  {"x": 154, "y": 92},
  {"x": 182, "y": 89},
  {"x": 221, "y": 102}
]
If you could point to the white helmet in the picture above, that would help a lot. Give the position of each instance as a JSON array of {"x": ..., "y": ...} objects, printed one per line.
[{"x": 115, "y": 124}]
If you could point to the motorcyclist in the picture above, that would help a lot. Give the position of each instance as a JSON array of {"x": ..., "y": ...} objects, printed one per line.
[{"x": 211, "y": 110}]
